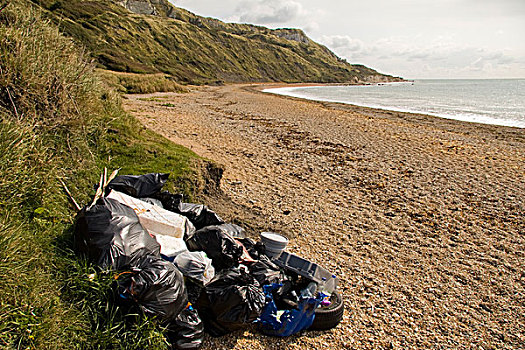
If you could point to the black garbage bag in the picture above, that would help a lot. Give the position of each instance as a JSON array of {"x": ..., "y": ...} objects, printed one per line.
[
  {"x": 231, "y": 301},
  {"x": 195, "y": 266},
  {"x": 235, "y": 231},
  {"x": 199, "y": 214},
  {"x": 218, "y": 244},
  {"x": 110, "y": 235},
  {"x": 187, "y": 330},
  {"x": 169, "y": 200},
  {"x": 138, "y": 186},
  {"x": 194, "y": 290},
  {"x": 157, "y": 287},
  {"x": 266, "y": 272}
]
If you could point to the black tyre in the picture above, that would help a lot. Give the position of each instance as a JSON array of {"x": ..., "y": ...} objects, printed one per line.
[{"x": 327, "y": 317}]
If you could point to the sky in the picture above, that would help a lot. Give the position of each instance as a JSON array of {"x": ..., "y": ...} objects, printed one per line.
[{"x": 414, "y": 39}]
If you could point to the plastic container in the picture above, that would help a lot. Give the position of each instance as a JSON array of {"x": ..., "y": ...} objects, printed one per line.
[
  {"x": 156, "y": 220},
  {"x": 309, "y": 270},
  {"x": 309, "y": 291},
  {"x": 274, "y": 243}
]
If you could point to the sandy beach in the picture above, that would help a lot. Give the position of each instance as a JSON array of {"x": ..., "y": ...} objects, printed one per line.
[{"x": 421, "y": 218}]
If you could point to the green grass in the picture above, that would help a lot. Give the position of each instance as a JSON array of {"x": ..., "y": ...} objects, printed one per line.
[
  {"x": 154, "y": 98},
  {"x": 58, "y": 121},
  {"x": 132, "y": 83},
  {"x": 137, "y": 150}
]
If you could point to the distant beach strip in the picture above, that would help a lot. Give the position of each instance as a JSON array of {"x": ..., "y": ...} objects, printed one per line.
[{"x": 486, "y": 101}]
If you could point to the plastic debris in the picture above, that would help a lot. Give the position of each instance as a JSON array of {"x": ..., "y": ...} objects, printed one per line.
[
  {"x": 274, "y": 243},
  {"x": 157, "y": 286},
  {"x": 255, "y": 249},
  {"x": 198, "y": 214},
  {"x": 231, "y": 301},
  {"x": 233, "y": 230},
  {"x": 307, "y": 269},
  {"x": 218, "y": 244},
  {"x": 195, "y": 265},
  {"x": 266, "y": 272},
  {"x": 152, "y": 201},
  {"x": 287, "y": 322},
  {"x": 194, "y": 290},
  {"x": 156, "y": 220},
  {"x": 171, "y": 246},
  {"x": 111, "y": 236},
  {"x": 187, "y": 331},
  {"x": 139, "y": 186},
  {"x": 231, "y": 280}
]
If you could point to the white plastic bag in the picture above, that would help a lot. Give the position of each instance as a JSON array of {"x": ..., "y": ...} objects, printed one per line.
[{"x": 171, "y": 246}]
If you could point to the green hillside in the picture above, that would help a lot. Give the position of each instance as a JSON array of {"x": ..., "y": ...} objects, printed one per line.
[{"x": 161, "y": 38}]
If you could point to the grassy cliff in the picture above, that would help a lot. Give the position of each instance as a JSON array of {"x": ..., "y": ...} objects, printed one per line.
[{"x": 161, "y": 38}]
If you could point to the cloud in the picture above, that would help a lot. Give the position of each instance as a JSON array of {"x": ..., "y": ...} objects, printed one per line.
[
  {"x": 440, "y": 52},
  {"x": 501, "y": 7},
  {"x": 346, "y": 47},
  {"x": 408, "y": 56},
  {"x": 419, "y": 56},
  {"x": 269, "y": 11},
  {"x": 489, "y": 61},
  {"x": 343, "y": 42},
  {"x": 276, "y": 14}
]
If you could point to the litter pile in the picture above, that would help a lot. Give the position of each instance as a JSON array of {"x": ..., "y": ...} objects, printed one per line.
[{"x": 181, "y": 263}]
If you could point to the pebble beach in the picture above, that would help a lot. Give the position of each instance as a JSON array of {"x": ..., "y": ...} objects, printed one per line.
[{"x": 421, "y": 218}]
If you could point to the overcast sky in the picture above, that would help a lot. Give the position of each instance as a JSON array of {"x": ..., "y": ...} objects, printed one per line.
[{"x": 408, "y": 38}]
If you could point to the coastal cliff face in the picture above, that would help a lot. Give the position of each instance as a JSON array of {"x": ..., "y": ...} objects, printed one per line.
[
  {"x": 292, "y": 34},
  {"x": 149, "y": 7},
  {"x": 141, "y": 7},
  {"x": 153, "y": 36}
]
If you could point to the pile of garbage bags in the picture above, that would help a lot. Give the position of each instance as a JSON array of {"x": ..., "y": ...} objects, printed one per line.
[{"x": 182, "y": 264}]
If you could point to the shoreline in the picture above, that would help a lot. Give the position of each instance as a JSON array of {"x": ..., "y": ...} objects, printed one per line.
[
  {"x": 386, "y": 109},
  {"x": 420, "y": 217},
  {"x": 411, "y": 117}
]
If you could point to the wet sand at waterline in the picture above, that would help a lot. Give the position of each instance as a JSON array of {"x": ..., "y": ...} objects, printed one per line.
[{"x": 421, "y": 218}]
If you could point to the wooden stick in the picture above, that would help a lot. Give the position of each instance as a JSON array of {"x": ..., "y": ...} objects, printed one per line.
[
  {"x": 70, "y": 195},
  {"x": 99, "y": 192},
  {"x": 113, "y": 175}
]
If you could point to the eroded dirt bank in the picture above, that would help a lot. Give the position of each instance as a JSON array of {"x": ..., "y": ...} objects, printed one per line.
[{"x": 422, "y": 219}]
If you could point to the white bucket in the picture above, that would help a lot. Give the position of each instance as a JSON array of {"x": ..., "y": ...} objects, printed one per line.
[{"x": 274, "y": 243}]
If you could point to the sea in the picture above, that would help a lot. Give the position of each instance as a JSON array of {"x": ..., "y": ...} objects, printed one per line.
[{"x": 487, "y": 101}]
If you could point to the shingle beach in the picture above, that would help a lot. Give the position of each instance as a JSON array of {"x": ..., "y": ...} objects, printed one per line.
[{"x": 421, "y": 218}]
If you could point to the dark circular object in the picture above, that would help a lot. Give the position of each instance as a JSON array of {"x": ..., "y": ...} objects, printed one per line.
[{"x": 327, "y": 317}]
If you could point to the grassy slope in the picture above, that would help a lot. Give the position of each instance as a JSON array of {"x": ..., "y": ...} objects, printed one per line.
[
  {"x": 133, "y": 83},
  {"x": 194, "y": 49},
  {"x": 57, "y": 121}
]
